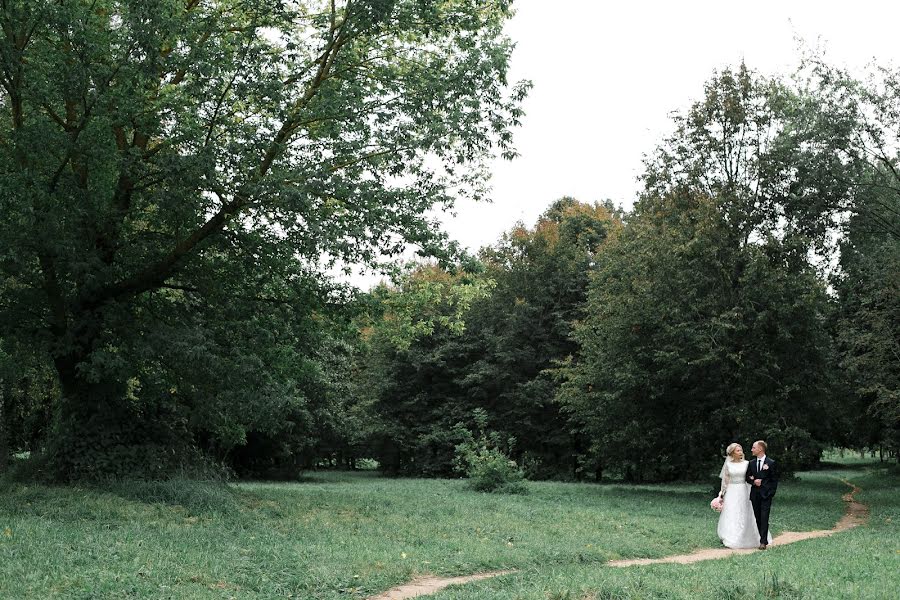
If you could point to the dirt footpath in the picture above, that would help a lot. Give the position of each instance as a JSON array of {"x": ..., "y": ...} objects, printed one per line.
[{"x": 856, "y": 514}]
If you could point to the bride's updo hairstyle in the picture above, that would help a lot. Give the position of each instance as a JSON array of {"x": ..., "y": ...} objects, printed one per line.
[{"x": 729, "y": 451}]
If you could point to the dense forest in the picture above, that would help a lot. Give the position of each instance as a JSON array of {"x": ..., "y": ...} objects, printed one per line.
[{"x": 177, "y": 176}]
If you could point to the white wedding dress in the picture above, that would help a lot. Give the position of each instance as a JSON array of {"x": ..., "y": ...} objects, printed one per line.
[{"x": 737, "y": 525}]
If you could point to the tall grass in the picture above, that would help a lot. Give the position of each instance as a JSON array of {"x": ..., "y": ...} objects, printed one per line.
[{"x": 339, "y": 536}]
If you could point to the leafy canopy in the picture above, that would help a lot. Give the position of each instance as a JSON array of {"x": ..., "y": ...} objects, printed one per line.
[{"x": 174, "y": 174}]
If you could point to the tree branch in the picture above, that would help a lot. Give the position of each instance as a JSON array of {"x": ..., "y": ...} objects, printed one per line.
[
  {"x": 198, "y": 291},
  {"x": 154, "y": 275}
]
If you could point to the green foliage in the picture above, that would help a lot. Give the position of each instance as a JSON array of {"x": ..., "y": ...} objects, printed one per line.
[
  {"x": 32, "y": 468},
  {"x": 493, "y": 352},
  {"x": 691, "y": 341},
  {"x": 175, "y": 176},
  {"x": 862, "y": 117},
  {"x": 754, "y": 146},
  {"x": 411, "y": 379},
  {"x": 426, "y": 298},
  {"x": 708, "y": 317},
  {"x": 867, "y": 331},
  {"x": 525, "y": 328},
  {"x": 329, "y": 425},
  {"x": 119, "y": 449},
  {"x": 706, "y": 321},
  {"x": 489, "y": 469},
  {"x": 28, "y": 393},
  {"x": 796, "y": 449},
  {"x": 484, "y": 459}
]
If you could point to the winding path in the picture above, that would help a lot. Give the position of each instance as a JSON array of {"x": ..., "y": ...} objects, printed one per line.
[
  {"x": 856, "y": 514},
  {"x": 425, "y": 586}
]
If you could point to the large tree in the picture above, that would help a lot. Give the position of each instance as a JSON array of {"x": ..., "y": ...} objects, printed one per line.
[
  {"x": 524, "y": 329},
  {"x": 691, "y": 342},
  {"x": 862, "y": 117},
  {"x": 765, "y": 153},
  {"x": 172, "y": 173},
  {"x": 868, "y": 331},
  {"x": 706, "y": 309}
]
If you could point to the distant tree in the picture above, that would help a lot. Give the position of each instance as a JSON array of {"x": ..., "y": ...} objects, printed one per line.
[
  {"x": 524, "y": 328},
  {"x": 28, "y": 393},
  {"x": 417, "y": 357},
  {"x": 863, "y": 117},
  {"x": 868, "y": 322},
  {"x": 172, "y": 173},
  {"x": 759, "y": 150},
  {"x": 488, "y": 343},
  {"x": 678, "y": 357},
  {"x": 869, "y": 333},
  {"x": 323, "y": 428},
  {"x": 706, "y": 321}
]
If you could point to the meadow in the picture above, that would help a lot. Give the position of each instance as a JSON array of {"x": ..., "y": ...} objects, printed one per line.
[{"x": 351, "y": 535}]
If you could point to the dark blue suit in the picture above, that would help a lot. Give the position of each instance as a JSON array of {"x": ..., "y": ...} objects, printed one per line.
[{"x": 761, "y": 497}]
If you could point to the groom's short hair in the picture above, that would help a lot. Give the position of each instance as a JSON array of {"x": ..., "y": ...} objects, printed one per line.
[{"x": 764, "y": 446}]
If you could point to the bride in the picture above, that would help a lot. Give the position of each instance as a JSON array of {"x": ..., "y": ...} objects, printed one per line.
[{"x": 737, "y": 525}]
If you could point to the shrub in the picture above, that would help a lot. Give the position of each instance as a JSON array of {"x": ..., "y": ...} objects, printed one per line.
[
  {"x": 31, "y": 468},
  {"x": 794, "y": 449},
  {"x": 483, "y": 460}
]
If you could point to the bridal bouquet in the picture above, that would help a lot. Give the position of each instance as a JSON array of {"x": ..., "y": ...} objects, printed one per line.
[{"x": 716, "y": 504}]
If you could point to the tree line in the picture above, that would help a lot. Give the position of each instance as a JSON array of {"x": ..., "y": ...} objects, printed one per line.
[
  {"x": 752, "y": 292},
  {"x": 175, "y": 176}
]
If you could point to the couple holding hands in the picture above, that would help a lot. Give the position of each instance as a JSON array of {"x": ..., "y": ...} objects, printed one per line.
[{"x": 746, "y": 496}]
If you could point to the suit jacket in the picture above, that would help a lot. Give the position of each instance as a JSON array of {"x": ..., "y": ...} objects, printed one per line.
[{"x": 769, "y": 476}]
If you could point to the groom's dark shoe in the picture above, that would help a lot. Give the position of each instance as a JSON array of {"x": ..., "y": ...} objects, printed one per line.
[{"x": 762, "y": 546}]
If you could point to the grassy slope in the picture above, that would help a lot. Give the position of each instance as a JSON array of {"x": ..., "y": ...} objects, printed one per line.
[{"x": 348, "y": 536}]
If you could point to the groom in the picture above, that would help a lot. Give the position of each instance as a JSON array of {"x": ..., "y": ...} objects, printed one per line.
[{"x": 763, "y": 477}]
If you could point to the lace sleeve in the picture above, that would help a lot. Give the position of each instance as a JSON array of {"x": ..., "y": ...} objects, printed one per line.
[{"x": 723, "y": 475}]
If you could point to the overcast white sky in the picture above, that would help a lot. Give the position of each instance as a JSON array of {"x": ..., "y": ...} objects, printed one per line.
[{"x": 606, "y": 76}]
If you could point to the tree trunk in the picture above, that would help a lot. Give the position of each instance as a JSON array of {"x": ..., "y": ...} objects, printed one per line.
[
  {"x": 97, "y": 432},
  {"x": 89, "y": 424}
]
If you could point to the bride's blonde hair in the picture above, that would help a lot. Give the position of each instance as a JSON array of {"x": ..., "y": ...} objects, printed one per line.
[{"x": 729, "y": 451}]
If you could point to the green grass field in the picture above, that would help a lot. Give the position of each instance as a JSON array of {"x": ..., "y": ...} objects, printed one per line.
[{"x": 342, "y": 535}]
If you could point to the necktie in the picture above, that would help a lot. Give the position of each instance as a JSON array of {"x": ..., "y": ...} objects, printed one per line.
[{"x": 758, "y": 465}]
